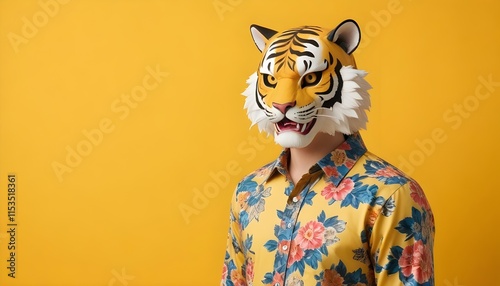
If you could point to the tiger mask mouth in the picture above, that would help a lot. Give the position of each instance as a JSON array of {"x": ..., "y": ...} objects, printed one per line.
[
  {"x": 286, "y": 125},
  {"x": 307, "y": 82}
]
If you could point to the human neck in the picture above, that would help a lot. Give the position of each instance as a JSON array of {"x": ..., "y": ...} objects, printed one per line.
[{"x": 302, "y": 159}]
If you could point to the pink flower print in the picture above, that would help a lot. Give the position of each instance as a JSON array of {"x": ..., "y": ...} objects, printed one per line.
[
  {"x": 344, "y": 146},
  {"x": 387, "y": 172},
  {"x": 296, "y": 253},
  {"x": 283, "y": 246},
  {"x": 249, "y": 271},
  {"x": 311, "y": 236},
  {"x": 416, "y": 259},
  {"x": 224, "y": 273},
  {"x": 418, "y": 195},
  {"x": 277, "y": 279},
  {"x": 349, "y": 163},
  {"x": 331, "y": 171},
  {"x": 340, "y": 192},
  {"x": 237, "y": 278}
]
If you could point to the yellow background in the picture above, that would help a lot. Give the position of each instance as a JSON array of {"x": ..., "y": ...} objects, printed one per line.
[{"x": 148, "y": 203}]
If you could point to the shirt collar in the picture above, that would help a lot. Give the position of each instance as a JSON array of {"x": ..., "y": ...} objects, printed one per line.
[{"x": 334, "y": 165}]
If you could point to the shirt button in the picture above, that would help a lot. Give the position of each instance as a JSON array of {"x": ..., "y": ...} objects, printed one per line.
[
  {"x": 284, "y": 247},
  {"x": 295, "y": 199},
  {"x": 289, "y": 225}
]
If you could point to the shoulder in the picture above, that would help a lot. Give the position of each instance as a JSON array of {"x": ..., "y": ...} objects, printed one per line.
[
  {"x": 394, "y": 186},
  {"x": 249, "y": 185},
  {"x": 388, "y": 178},
  {"x": 383, "y": 171},
  {"x": 255, "y": 178}
]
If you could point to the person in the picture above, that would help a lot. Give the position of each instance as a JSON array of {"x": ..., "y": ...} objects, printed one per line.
[{"x": 326, "y": 211}]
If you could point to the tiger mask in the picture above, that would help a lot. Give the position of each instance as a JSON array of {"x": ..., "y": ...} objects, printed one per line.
[{"x": 307, "y": 82}]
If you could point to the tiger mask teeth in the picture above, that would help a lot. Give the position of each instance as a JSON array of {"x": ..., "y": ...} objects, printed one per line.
[{"x": 287, "y": 125}]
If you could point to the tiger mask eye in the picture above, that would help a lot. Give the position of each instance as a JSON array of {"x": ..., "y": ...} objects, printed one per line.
[
  {"x": 311, "y": 79},
  {"x": 269, "y": 80}
]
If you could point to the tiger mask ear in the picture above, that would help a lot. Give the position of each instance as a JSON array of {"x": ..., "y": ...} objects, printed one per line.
[
  {"x": 261, "y": 36},
  {"x": 347, "y": 35}
]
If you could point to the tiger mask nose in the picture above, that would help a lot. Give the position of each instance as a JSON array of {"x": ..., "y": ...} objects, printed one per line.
[{"x": 283, "y": 107}]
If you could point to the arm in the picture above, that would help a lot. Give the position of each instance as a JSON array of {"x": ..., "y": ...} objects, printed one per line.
[
  {"x": 402, "y": 239},
  {"x": 232, "y": 272}
]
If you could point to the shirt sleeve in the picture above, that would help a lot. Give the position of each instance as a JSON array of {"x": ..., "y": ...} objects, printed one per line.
[
  {"x": 233, "y": 272},
  {"x": 402, "y": 239}
]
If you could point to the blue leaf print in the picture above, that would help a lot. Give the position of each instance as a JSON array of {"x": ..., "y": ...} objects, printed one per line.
[
  {"x": 417, "y": 216},
  {"x": 281, "y": 215},
  {"x": 321, "y": 217},
  {"x": 319, "y": 278},
  {"x": 377, "y": 201},
  {"x": 411, "y": 226},
  {"x": 309, "y": 197},
  {"x": 356, "y": 148},
  {"x": 231, "y": 266},
  {"x": 323, "y": 249},
  {"x": 253, "y": 199},
  {"x": 341, "y": 269},
  {"x": 277, "y": 229},
  {"x": 268, "y": 278},
  {"x": 248, "y": 244},
  {"x": 355, "y": 277},
  {"x": 406, "y": 226},
  {"x": 312, "y": 257},
  {"x": 331, "y": 222},
  {"x": 280, "y": 264},
  {"x": 364, "y": 193},
  {"x": 364, "y": 237},
  {"x": 378, "y": 268},
  {"x": 360, "y": 193},
  {"x": 350, "y": 200},
  {"x": 244, "y": 219},
  {"x": 393, "y": 264},
  {"x": 247, "y": 184},
  {"x": 298, "y": 265},
  {"x": 271, "y": 245},
  {"x": 397, "y": 251},
  {"x": 289, "y": 189}
]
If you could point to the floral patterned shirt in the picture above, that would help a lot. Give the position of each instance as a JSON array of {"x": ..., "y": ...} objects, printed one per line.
[{"x": 354, "y": 219}]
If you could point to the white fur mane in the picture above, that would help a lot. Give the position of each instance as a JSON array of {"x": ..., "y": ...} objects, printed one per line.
[{"x": 347, "y": 117}]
